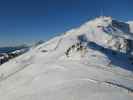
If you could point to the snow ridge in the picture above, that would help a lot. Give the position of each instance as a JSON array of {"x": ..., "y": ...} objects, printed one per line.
[{"x": 93, "y": 61}]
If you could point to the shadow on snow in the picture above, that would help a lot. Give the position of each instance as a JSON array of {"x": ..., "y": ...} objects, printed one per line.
[{"x": 117, "y": 58}]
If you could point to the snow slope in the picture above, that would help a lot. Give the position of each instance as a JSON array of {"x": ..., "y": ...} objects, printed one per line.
[{"x": 78, "y": 65}]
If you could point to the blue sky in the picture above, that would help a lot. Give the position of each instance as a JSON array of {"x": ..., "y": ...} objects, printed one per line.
[{"x": 27, "y": 21}]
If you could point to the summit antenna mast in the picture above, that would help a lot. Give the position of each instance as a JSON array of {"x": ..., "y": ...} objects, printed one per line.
[{"x": 102, "y": 13}]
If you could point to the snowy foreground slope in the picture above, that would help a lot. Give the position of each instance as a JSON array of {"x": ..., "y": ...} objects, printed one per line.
[{"x": 92, "y": 62}]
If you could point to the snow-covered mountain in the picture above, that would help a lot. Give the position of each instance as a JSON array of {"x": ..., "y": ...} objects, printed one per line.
[{"x": 91, "y": 62}]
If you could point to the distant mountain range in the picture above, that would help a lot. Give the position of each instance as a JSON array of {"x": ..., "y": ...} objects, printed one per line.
[
  {"x": 7, "y": 53},
  {"x": 12, "y": 48}
]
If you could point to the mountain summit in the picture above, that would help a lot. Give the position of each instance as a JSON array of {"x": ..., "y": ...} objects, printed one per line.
[
  {"x": 107, "y": 32},
  {"x": 93, "y": 61}
]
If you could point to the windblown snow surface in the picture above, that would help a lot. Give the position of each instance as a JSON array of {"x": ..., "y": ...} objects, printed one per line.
[{"x": 77, "y": 65}]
